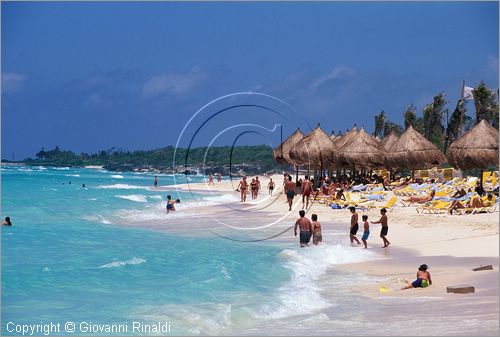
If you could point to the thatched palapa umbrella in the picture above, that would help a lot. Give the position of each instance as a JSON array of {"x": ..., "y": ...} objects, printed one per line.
[
  {"x": 281, "y": 152},
  {"x": 389, "y": 140},
  {"x": 363, "y": 150},
  {"x": 315, "y": 150},
  {"x": 340, "y": 142},
  {"x": 477, "y": 148},
  {"x": 414, "y": 151}
]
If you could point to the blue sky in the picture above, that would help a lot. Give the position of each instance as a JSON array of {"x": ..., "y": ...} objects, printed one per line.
[{"x": 91, "y": 76}]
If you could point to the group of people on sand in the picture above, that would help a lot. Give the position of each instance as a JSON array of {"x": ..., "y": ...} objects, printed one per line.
[
  {"x": 211, "y": 178},
  {"x": 255, "y": 187},
  {"x": 353, "y": 229}
]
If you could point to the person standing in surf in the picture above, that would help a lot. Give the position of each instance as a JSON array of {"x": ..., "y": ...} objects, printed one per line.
[
  {"x": 385, "y": 228},
  {"x": 354, "y": 226},
  {"x": 155, "y": 181},
  {"x": 305, "y": 228}
]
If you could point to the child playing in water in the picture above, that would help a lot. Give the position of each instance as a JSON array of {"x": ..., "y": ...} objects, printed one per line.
[
  {"x": 170, "y": 204},
  {"x": 366, "y": 230},
  {"x": 423, "y": 279}
]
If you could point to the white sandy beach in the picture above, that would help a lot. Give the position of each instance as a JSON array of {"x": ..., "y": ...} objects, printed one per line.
[{"x": 452, "y": 245}]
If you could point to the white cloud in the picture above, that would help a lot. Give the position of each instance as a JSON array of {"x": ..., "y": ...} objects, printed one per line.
[
  {"x": 12, "y": 82},
  {"x": 176, "y": 84},
  {"x": 338, "y": 72}
]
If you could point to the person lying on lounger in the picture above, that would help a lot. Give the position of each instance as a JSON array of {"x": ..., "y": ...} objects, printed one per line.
[{"x": 421, "y": 200}]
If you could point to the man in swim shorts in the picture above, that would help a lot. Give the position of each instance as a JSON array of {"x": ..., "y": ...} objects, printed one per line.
[
  {"x": 290, "y": 192},
  {"x": 306, "y": 191},
  {"x": 385, "y": 228},
  {"x": 354, "y": 226},
  {"x": 305, "y": 229}
]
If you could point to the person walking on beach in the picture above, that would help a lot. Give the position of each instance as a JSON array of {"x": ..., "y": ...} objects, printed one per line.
[
  {"x": 423, "y": 279},
  {"x": 290, "y": 192},
  {"x": 210, "y": 179},
  {"x": 316, "y": 229},
  {"x": 305, "y": 228},
  {"x": 219, "y": 177},
  {"x": 253, "y": 188},
  {"x": 242, "y": 187},
  {"x": 385, "y": 228},
  {"x": 366, "y": 230},
  {"x": 354, "y": 226},
  {"x": 257, "y": 181},
  {"x": 306, "y": 191},
  {"x": 270, "y": 186},
  {"x": 155, "y": 181},
  {"x": 7, "y": 221}
]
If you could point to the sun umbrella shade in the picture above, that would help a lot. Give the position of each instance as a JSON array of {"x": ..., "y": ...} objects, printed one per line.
[
  {"x": 281, "y": 152},
  {"x": 316, "y": 150},
  {"x": 389, "y": 140},
  {"x": 477, "y": 148},
  {"x": 414, "y": 151},
  {"x": 363, "y": 150}
]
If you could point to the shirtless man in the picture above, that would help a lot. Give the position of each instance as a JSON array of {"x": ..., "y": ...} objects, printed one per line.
[
  {"x": 290, "y": 192},
  {"x": 305, "y": 228},
  {"x": 306, "y": 191},
  {"x": 243, "y": 186},
  {"x": 385, "y": 227},
  {"x": 354, "y": 226},
  {"x": 257, "y": 181}
]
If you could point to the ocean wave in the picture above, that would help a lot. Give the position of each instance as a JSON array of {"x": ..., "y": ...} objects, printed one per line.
[
  {"x": 303, "y": 293},
  {"x": 61, "y": 168},
  {"x": 98, "y": 218},
  {"x": 72, "y": 175},
  {"x": 116, "y": 264},
  {"x": 117, "y": 176},
  {"x": 122, "y": 186},
  {"x": 133, "y": 197}
]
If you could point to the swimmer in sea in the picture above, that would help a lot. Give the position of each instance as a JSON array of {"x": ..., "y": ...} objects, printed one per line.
[
  {"x": 7, "y": 221},
  {"x": 170, "y": 204}
]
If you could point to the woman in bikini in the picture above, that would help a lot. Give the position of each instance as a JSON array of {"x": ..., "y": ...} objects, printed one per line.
[{"x": 316, "y": 227}]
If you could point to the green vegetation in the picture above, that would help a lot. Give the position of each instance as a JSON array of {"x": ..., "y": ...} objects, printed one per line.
[
  {"x": 259, "y": 155},
  {"x": 434, "y": 124}
]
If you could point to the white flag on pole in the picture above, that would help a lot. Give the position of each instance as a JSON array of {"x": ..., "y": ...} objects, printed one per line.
[{"x": 468, "y": 93}]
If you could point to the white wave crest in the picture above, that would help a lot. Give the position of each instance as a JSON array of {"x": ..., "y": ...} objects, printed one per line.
[
  {"x": 122, "y": 187},
  {"x": 117, "y": 176},
  {"x": 133, "y": 197},
  {"x": 72, "y": 175},
  {"x": 116, "y": 264},
  {"x": 303, "y": 293}
]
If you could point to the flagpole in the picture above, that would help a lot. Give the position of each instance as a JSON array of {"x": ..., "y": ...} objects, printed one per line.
[{"x": 462, "y": 109}]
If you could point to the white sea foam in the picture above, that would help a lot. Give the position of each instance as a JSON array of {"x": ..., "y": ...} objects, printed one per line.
[
  {"x": 117, "y": 176},
  {"x": 72, "y": 175},
  {"x": 61, "y": 168},
  {"x": 98, "y": 218},
  {"x": 302, "y": 293},
  {"x": 116, "y": 264},
  {"x": 122, "y": 187},
  {"x": 155, "y": 196},
  {"x": 133, "y": 197}
]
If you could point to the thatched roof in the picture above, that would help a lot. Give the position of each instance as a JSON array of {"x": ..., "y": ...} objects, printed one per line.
[
  {"x": 333, "y": 137},
  {"x": 363, "y": 150},
  {"x": 414, "y": 151},
  {"x": 477, "y": 148},
  {"x": 389, "y": 140},
  {"x": 377, "y": 139},
  {"x": 281, "y": 152},
  {"x": 347, "y": 137},
  {"x": 316, "y": 149}
]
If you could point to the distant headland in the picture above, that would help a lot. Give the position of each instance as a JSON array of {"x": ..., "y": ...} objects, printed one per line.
[{"x": 240, "y": 160}]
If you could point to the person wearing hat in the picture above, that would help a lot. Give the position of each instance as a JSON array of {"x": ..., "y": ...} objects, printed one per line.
[{"x": 423, "y": 279}]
